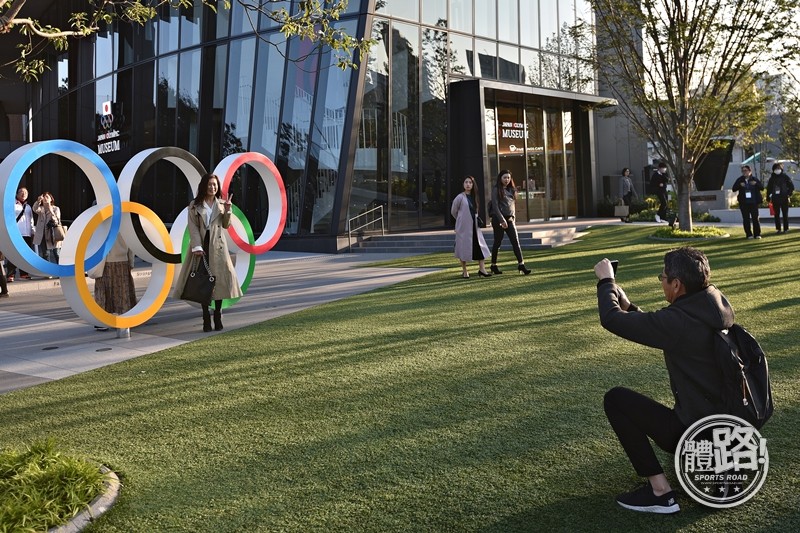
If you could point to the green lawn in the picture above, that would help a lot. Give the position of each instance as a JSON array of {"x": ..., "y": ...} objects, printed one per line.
[{"x": 439, "y": 404}]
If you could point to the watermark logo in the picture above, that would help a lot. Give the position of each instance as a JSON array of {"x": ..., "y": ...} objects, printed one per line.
[{"x": 721, "y": 461}]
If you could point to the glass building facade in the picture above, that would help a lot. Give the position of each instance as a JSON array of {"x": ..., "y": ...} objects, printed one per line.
[{"x": 450, "y": 87}]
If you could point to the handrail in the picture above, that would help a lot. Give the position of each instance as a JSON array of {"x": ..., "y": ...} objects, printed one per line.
[{"x": 351, "y": 229}]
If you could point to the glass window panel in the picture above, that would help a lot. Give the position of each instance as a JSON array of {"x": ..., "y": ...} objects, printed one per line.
[
  {"x": 353, "y": 6},
  {"x": 566, "y": 14},
  {"x": 570, "y": 80},
  {"x": 104, "y": 53},
  {"x": 509, "y": 68},
  {"x": 191, "y": 24},
  {"x": 407, "y": 9},
  {"x": 433, "y": 162},
  {"x": 529, "y": 23},
  {"x": 122, "y": 107},
  {"x": 269, "y": 90},
  {"x": 144, "y": 40},
  {"x": 486, "y": 18},
  {"x": 434, "y": 12},
  {"x": 296, "y": 126},
  {"x": 167, "y": 97},
  {"x": 244, "y": 19},
  {"x": 461, "y": 15},
  {"x": 123, "y": 44},
  {"x": 222, "y": 142},
  {"x": 570, "y": 181},
  {"x": 168, "y": 30},
  {"x": 487, "y": 59},
  {"x": 63, "y": 73},
  {"x": 326, "y": 143},
  {"x": 104, "y": 92},
  {"x": 537, "y": 168},
  {"x": 404, "y": 194},
  {"x": 240, "y": 93},
  {"x": 550, "y": 71},
  {"x": 529, "y": 60},
  {"x": 555, "y": 164},
  {"x": 549, "y": 24},
  {"x": 508, "y": 21},
  {"x": 461, "y": 55},
  {"x": 144, "y": 104},
  {"x": 368, "y": 188},
  {"x": 189, "y": 101},
  {"x": 266, "y": 23}
]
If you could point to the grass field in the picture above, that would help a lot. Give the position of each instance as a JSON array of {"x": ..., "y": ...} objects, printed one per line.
[{"x": 439, "y": 404}]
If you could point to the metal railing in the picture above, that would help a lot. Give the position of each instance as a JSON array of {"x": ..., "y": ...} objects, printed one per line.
[{"x": 369, "y": 222}]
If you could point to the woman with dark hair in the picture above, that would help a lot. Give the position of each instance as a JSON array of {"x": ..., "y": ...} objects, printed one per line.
[
  {"x": 502, "y": 209},
  {"x": 209, "y": 218},
  {"x": 470, "y": 244},
  {"x": 49, "y": 215}
]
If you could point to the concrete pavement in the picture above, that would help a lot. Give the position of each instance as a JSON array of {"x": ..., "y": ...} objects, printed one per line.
[{"x": 42, "y": 339}]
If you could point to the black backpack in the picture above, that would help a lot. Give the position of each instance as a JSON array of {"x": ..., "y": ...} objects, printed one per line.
[{"x": 746, "y": 388}]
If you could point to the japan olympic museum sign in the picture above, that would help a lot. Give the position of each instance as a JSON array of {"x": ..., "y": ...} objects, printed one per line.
[{"x": 92, "y": 234}]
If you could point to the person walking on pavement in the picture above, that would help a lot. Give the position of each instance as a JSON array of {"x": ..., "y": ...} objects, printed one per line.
[
  {"x": 502, "y": 211},
  {"x": 627, "y": 191},
  {"x": 24, "y": 216},
  {"x": 779, "y": 189},
  {"x": 659, "y": 182}
]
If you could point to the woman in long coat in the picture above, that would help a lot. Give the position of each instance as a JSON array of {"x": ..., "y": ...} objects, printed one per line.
[
  {"x": 47, "y": 210},
  {"x": 209, "y": 218},
  {"x": 470, "y": 244}
]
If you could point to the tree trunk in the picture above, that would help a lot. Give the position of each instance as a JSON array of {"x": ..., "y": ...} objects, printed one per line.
[{"x": 684, "y": 205}]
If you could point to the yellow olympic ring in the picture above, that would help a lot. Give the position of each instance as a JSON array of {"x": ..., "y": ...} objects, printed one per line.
[{"x": 160, "y": 281}]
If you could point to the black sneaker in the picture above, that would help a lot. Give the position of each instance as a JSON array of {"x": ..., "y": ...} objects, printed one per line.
[{"x": 643, "y": 500}]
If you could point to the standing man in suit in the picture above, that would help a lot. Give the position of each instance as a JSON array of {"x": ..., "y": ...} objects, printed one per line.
[{"x": 659, "y": 182}]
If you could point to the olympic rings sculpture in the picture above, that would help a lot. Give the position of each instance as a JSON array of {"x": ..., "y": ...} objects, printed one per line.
[{"x": 93, "y": 232}]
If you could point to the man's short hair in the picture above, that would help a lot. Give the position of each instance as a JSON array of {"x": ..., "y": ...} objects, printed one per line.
[
  {"x": 746, "y": 167},
  {"x": 689, "y": 265},
  {"x": 662, "y": 165}
]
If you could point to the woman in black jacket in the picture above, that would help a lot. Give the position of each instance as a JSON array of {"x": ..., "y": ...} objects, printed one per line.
[
  {"x": 779, "y": 189},
  {"x": 502, "y": 209}
]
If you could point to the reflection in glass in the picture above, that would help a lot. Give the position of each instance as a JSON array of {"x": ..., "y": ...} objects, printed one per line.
[
  {"x": 529, "y": 59},
  {"x": 536, "y": 163},
  {"x": 267, "y": 100},
  {"x": 487, "y": 59},
  {"x": 267, "y": 23},
  {"x": 144, "y": 102},
  {"x": 370, "y": 172},
  {"x": 189, "y": 101},
  {"x": 486, "y": 18},
  {"x": 433, "y": 163},
  {"x": 239, "y": 96},
  {"x": 461, "y": 15},
  {"x": 550, "y": 71},
  {"x": 62, "y": 73},
  {"x": 168, "y": 30},
  {"x": 404, "y": 135},
  {"x": 549, "y": 23},
  {"x": 509, "y": 68},
  {"x": 529, "y": 22},
  {"x": 570, "y": 180},
  {"x": 103, "y": 53},
  {"x": 295, "y": 128},
  {"x": 461, "y": 56},
  {"x": 407, "y": 9},
  {"x": 191, "y": 24},
  {"x": 326, "y": 141},
  {"x": 555, "y": 164},
  {"x": 167, "y": 91},
  {"x": 144, "y": 40},
  {"x": 215, "y": 59},
  {"x": 103, "y": 92},
  {"x": 508, "y": 21},
  {"x": 123, "y": 44},
  {"x": 434, "y": 12}
]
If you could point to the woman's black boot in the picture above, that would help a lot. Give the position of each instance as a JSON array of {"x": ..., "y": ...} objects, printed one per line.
[
  {"x": 523, "y": 269},
  {"x": 217, "y": 320},
  {"x": 495, "y": 270},
  {"x": 206, "y": 320}
]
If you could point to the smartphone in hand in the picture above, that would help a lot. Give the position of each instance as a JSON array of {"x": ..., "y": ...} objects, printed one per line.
[{"x": 614, "y": 265}]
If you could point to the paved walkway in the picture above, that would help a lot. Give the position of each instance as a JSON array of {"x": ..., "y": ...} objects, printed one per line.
[{"x": 42, "y": 339}]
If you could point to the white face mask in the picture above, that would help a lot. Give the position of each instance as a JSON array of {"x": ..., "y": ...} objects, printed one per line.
[{"x": 778, "y": 171}]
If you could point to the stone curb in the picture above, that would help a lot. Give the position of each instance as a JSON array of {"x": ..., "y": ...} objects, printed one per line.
[{"x": 97, "y": 507}]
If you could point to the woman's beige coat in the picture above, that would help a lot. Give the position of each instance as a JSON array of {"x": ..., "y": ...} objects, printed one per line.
[
  {"x": 465, "y": 227},
  {"x": 219, "y": 259},
  {"x": 40, "y": 233}
]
